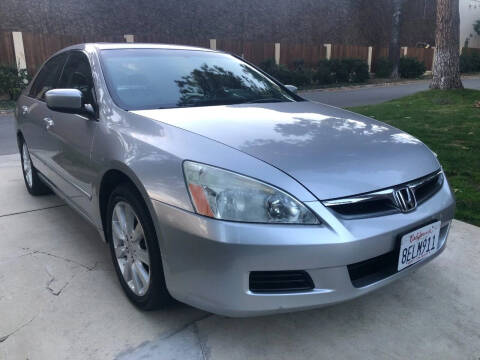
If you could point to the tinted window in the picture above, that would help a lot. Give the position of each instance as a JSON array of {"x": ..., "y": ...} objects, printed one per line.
[
  {"x": 78, "y": 75},
  {"x": 47, "y": 77},
  {"x": 161, "y": 78}
]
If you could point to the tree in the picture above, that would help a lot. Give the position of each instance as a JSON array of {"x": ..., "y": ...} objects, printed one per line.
[
  {"x": 446, "y": 63},
  {"x": 394, "y": 48},
  {"x": 476, "y": 27}
]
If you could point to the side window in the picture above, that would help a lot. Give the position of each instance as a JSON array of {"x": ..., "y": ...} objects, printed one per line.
[
  {"x": 78, "y": 75},
  {"x": 47, "y": 77}
]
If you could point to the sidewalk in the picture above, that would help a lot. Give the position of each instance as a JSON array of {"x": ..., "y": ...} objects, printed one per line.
[{"x": 60, "y": 299}]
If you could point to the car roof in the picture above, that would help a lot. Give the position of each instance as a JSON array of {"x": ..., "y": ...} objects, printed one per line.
[{"x": 104, "y": 46}]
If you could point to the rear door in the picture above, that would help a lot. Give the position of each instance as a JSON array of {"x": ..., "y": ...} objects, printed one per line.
[
  {"x": 33, "y": 112},
  {"x": 72, "y": 136}
]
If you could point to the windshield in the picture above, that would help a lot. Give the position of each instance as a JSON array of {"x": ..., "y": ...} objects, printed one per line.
[{"x": 163, "y": 78}]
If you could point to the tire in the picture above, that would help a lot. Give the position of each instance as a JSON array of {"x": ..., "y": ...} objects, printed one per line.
[
  {"x": 34, "y": 184},
  {"x": 134, "y": 249}
]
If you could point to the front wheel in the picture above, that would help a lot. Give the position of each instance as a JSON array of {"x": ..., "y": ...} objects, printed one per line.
[
  {"x": 134, "y": 249},
  {"x": 34, "y": 184}
]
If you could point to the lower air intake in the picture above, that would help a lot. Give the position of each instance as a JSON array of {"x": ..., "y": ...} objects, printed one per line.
[{"x": 280, "y": 281}]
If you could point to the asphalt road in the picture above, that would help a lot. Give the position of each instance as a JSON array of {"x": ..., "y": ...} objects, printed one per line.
[
  {"x": 340, "y": 98},
  {"x": 375, "y": 95}
]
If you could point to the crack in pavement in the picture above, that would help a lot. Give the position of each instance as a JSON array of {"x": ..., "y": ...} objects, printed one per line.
[
  {"x": 34, "y": 251},
  {"x": 52, "y": 279},
  {"x": 184, "y": 326},
  {"x": 154, "y": 343},
  {"x": 3, "y": 338},
  {"x": 34, "y": 210},
  {"x": 201, "y": 344}
]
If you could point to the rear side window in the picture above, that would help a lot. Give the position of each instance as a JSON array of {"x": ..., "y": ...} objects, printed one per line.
[
  {"x": 78, "y": 75},
  {"x": 47, "y": 77}
]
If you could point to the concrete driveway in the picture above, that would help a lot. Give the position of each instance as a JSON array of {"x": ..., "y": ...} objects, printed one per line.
[{"x": 59, "y": 299}]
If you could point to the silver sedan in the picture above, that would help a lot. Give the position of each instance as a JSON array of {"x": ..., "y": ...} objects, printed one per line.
[{"x": 218, "y": 186}]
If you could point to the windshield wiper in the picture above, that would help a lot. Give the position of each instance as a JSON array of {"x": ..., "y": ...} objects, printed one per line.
[{"x": 265, "y": 100}]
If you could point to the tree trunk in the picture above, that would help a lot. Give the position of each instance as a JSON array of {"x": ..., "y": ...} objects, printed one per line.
[
  {"x": 394, "y": 48},
  {"x": 446, "y": 62}
]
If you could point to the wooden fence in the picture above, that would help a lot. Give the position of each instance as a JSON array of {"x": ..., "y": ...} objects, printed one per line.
[
  {"x": 421, "y": 54},
  {"x": 255, "y": 52},
  {"x": 7, "y": 54},
  {"x": 349, "y": 52},
  {"x": 38, "y": 47},
  {"x": 311, "y": 54}
]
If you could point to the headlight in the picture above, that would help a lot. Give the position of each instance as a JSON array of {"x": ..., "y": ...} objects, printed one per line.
[{"x": 222, "y": 194}]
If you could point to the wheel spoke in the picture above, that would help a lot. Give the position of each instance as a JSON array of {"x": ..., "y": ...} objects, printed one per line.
[
  {"x": 129, "y": 220},
  {"x": 127, "y": 271},
  {"x": 142, "y": 255},
  {"x": 117, "y": 230},
  {"x": 137, "y": 282},
  {"x": 137, "y": 233},
  {"x": 120, "y": 215},
  {"x": 120, "y": 251},
  {"x": 27, "y": 165},
  {"x": 141, "y": 273}
]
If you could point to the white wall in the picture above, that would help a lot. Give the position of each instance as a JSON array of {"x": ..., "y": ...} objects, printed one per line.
[{"x": 469, "y": 14}]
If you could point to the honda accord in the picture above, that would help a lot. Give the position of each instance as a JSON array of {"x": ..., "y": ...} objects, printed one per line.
[{"x": 215, "y": 184}]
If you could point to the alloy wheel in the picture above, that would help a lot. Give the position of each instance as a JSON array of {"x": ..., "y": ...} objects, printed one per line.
[
  {"x": 27, "y": 165},
  {"x": 131, "y": 248}
]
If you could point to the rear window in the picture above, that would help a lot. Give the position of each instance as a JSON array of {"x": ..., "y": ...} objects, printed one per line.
[{"x": 163, "y": 78}]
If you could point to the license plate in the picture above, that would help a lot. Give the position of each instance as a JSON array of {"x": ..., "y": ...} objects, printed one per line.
[{"x": 418, "y": 245}]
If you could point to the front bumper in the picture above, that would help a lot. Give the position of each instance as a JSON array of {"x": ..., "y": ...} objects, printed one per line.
[{"x": 207, "y": 262}]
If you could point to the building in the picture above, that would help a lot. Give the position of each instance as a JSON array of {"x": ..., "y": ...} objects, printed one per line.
[{"x": 469, "y": 14}]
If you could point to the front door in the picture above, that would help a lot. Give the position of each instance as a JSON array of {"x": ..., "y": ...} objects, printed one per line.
[{"x": 72, "y": 136}]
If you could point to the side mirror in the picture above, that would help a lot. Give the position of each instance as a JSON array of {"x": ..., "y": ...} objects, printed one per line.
[
  {"x": 67, "y": 100},
  {"x": 292, "y": 88}
]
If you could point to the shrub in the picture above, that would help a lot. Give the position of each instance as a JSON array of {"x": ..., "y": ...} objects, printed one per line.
[
  {"x": 279, "y": 72},
  {"x": 383, "y": 68},
  {"x": 323, "y": 74},
  {"x": 13, "y": 81},
  {"x": 326, "y": 72},
  {"x": 411, "y": 68},
  {"x": 469, "y": 62},
  {"x": 358, "y": 70},
  {"x": 349, "y": 70},
  {"x": 341, "y": 71},
  {"x": 299, "y": 76},
  {"x": 302, "y": 75},
  {"x": 268, "y": 66}
]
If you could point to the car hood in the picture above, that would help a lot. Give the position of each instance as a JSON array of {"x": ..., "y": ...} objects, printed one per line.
[{"x": 333, "y": 152}]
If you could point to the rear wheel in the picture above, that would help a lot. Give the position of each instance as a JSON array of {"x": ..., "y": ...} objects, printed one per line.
[
  {"x": 34, "y": 184},
  {"x": 134, "y": 249}
]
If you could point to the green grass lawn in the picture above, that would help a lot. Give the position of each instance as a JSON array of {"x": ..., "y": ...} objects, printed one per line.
[{"x": 449, "y": 123}]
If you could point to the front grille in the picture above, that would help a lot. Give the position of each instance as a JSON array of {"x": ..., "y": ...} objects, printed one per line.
[
  {"x": 368, "y": 208},
  {"x": 382, "y": 202},
  {"x": 280, "y": 281},
  {"x": 428, "y": 188}
]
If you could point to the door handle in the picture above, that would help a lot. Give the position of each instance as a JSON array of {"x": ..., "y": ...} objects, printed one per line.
[
  {"x": 48, "y": 122},
  {"x": 25, "y": 110}
]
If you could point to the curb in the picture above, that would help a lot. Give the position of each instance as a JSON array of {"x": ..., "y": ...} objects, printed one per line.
[
  {"x": 366, "y": 86},
  {"x": 385, "y": 84}
]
